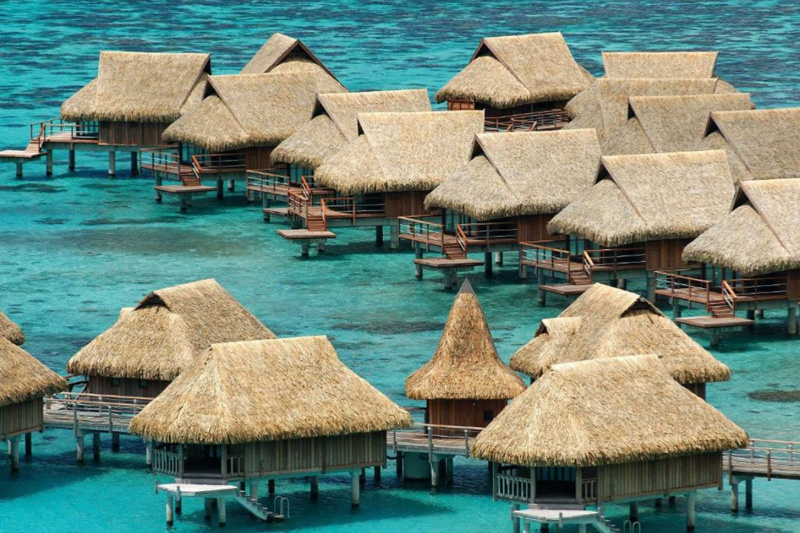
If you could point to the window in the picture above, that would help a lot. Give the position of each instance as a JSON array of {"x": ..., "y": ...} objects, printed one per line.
[
  {"x": 488, "y": 415},
  {"x": 142, "y": 383},
  {"x": 115, "y": 382}
]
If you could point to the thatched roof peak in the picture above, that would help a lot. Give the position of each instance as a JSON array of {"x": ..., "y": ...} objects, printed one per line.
[
  {"x": 267, "y": 390},
  {"x": 465, "y": 364},
  {"x": 521, "y": 173},
  {"x": 518, "y": 69},
  {"x": 659, "y": 64},
  {"x": 139, "y": 87},
  {"x": 10, "y": 330},
  {"x": 599, "y": 412},
  {"x": 23, "y": 377},
  {"x": 647, "y": 197},
  {"x": 277, "y": 50}
]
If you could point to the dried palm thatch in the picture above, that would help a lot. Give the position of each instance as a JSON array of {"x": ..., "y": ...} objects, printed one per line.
[
  {"x": 618, "y": 410},
  {"x": 264, "y": 391},
  {"x": 514, "y": 174},
  {"x": 760, "y": 235},
  {"x": 23, "y": 377},
  {"x": 246, "y": 110},
  {"x": 402, "y": 152},
  {"x": 169, "y": 328},
  {"x": 335, "y": 123},
  {"x": 516, "y": 70},
  {"x": 647, "y": 197},
  {"x": 766, "y": 141},
  {"x": 139, "y": 87},
  {"x": 608, "y": 322},
  {"x": 465, "y": 365},
  {"x": 10, "y": 330},
  {"x": 669, "y": 123},
  {"x": 659, "y": 64},
  {"x": 284, "y": 53}
]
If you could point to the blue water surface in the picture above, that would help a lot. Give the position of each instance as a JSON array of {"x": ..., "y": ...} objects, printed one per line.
[{"x": 76, "y": 248}]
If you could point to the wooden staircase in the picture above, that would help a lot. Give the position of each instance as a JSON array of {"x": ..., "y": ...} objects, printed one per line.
[
  {"x": 256, "y": 509},
  {"x": 719, "y": 308},
  {"x": 316, "y": 222},
  {"x": 453, "y": 250},
  {"x": 579, "y": 277}
]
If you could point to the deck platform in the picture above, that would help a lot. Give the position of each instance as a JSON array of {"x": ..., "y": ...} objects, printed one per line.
[
  {"x": 184, "y": 192},
  {"x": 711, "y": 322},
  {"x": 275, "y": 211},
  {"x": 448, "y": 267},
  {"x": 566, "y": 289},
  {"x": 305, "y": 238}
]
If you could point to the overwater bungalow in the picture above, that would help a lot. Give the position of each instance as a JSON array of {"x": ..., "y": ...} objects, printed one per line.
[
  {"x": 24, "y": 382},
  {"x": 636, "y": 219},
  {"x": 609, "y": 322},
  {"x": 604, "y": 431},
  {"x": 264, "y": 410},
  {"x": 512, "y": 186},
  {"x": 521, "y": 82},
  {"x": 465, "y": 385},
  {"x": 752, "y": 256},
  {"x": 385, "y": 173}
]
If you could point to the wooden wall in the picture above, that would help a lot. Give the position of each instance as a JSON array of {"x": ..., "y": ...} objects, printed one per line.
[
  {"x": 698, "y": 388},
  {"x": 405, "y": 203},
  {"x": 533, "y": 228},
  {"x": 793, "y": 284},
  {"x": 665, "y": 254},
  {"x": 132, "y": 133},
  {"x": 315, "y": 454},
  {"x": 460, "y": 105},
  {"x": 258, "y": 157},
  {"x": 19, "y": 418},
  {"x": 126, "y": 387},
  {"x": 471, "y": 413}
]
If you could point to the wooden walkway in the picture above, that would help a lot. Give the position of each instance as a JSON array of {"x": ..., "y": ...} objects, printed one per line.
[{"x": 769, "y": 459}]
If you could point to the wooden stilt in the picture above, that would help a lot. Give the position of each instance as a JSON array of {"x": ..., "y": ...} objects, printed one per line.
[
  {"x": 79, "y": 441},
  {"x": 582, "y": 528},
  {"x": 96, "y": 446},
  {"x": 14, "y": 444},
  {"x": 178, "y": 501},
  {"x": 398, "y": 463},
  {"x": 254, "y": 490},
  {"x": 304, "y": 249},
  {"x": 623, "y": 284},
  {"x": 321, "y": 247},
  {"x": 28, "y": 444},
  {"x": 49, "y": 163},
  {"x": 207, "y": 508},
  {"x": 657, "y": 503},
  {"x": 672, "y": 501},
  {"x": 514, "y": 519},
  {"x": 221, "y": 511},
  {"x": 112, "y": 163},
  {"x": 449, "y": 466},
  {"x": 265, "y": 203},
  {"x": 792, "y": 318},
  {"x": 690, "y": 503},
  {"x": 355, "y": 488},
  {"x": 170, "y": 510},
  {"x": 220, "y": 189},
  {"x": 498, "y": 258},
  {"x": 362, "y": 478},
  {"x": 487, "y": 263},
  {"x": 394, "y": 235},
  {"x": 19, "y": 170},
  {"x": 545, "y": 528},
  {"x": 148, "y": 453},
  {"x": 159, "y": 180},
  {"x": 634, "y": 512},
  {"x": 184, "y": 203},
  {"x": 734, "y": 496},
  {"x": 523, "y": 269},
  {"x": 748, "y": 494},
  {"x": 434, "y": 464},
  {"x": 231, "y": 185},
  {"x": 418, "y": 255},
  {"x": 314, "y": 486},
  {"x": 760, "y": 314},
  {"x": 542, "y": 296},
  {"x": 271, "y": 486},
  {"x": 115, "y": 441},
  {"x": 376, "y": 474},
  {"x": 134, "y": 164},
  {"x": 677, "y": 311},
  {"x": 379, "y": 236},
  {"x": 71, "y": 160},
  {"x": 651, "y": 287}
]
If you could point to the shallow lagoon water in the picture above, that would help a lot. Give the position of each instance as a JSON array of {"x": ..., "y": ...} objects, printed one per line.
[{"x": 76, "y": 248}]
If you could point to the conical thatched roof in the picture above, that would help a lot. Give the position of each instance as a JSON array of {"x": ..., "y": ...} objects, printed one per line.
[
  {"x": 465, "y": 365},
  {"x": 167, "y": 330},
  {"x": 669, "y": 123},
  {"x": 604, "y": 105},
  {"x": 139, "y": 87},
  {"x": 659, "y": 64},
  {"x": 618, "y": 410},
  {"x": 246, "y": 110},
  {"x": 10, "y": 330},
  {"x": 267, "y": 390},
  {"x": 607, "y": 322},
  {"x": 760, "y": 235},
  {"x": 649, "y": 197},
  {"x": 513, "y": 174},
  {"x": 516, "y": 70},
  {"x": 402, "y": 152},
  {"x": 334, "y": 123},
  {"x": 23, "y": 377}
]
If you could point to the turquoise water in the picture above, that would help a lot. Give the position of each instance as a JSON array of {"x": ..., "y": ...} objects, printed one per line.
[{"x": 76, "y": 248}]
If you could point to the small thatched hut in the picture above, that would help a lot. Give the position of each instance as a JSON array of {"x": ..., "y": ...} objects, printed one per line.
[
  {"x": 10, "y": 330},
  {"x": 608, "y": 322},
  {"x": 136, "y": 95},
  {"x": 516, "y": 75},
  {"x": 150, "y": 345},
  {"x": 269, "y": 409},
  {"x": 608, "y": 430}
]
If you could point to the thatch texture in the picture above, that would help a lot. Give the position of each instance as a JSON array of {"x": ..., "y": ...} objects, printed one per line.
[
  {"x": 23, "y": 377},
  {"x": 618, "y": 410},
  {"x": 139, "y": 87},
  {"x": 608, "y": 322},
  {"x": 246, "y": 110},
  {"x": 267, "y": 390},
  {"x": 335, "y": 123},
  {"x": 516, "y": 70},
  {"x": 10, "y": 330},
  {"x": 649, "y": 197},
  {"x": 669, "y": 123},
  {"x": 169, "y": 328},
  {"x": 659, "y": 64},
  {"x": 514, "y": 174},
  {"x": 402, "y": 152},
  {"x": 761, "y": 235},
  {"x": 465, "y": 365}
]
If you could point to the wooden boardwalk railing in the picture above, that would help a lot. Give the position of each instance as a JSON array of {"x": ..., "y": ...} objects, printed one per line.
[
  {"x": 765, "y": 458},
  {"x": 81, "y": 411},
  {"x": 433, "y": 439}
]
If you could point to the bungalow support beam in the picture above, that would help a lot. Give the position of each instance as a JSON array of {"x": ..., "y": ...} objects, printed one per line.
[
  {"x": 690, "y": 511},
  {"x": 523, "y": 269},
  {"x": 221, "y": 511},
  {"x": 71, "y": 160},
  {"x": 134, "y": 164},
  {"x": 115, "y": 441},
  {"x": 220, "y": 189},
  {"x": 622, "y": 284},
  {"x": 394, "y": 236},
  {"x": 271, "y": 486},
  {"x": 314, "y": 486},
  {"x": 13, "y": 444},
  {"x": 418, "y": 253},
  {"x": 634, "y": 512},
  {"x": 207, "y": 508},
  {"x": 112, "y": 163},
  {"x": 498, "y": 258},
  {"x": 487, "y": 263},
  {"x": 96, "y": 446},
  {"x": 28, "y": 444},
  {"x": 231, "y": 185},
  {"x": 792, "y": 318},
  {"x": 355, "y": 487},
  {"x": 748, "y": 494},
  {"x": 542, "y": 296},
  {"x": 378, "y": 236},
  {"x": 377, "y": 474},
  {"x": 19, "y": 170},
  {"x": 49, "y": 163},
  {"x": 159, "y": 181},
  {"x": 79, "y": 445},
  {"x": 148, "y": 455},
  {"x": 514, "y": 520},
  {"x": 254, "y": 490},
  {"x": 651, "y": 287},
  {"x": 170, "y": 510}
]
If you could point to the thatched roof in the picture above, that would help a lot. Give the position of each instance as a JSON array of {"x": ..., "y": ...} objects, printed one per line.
[
  {"x": 169, "y": 328},
  {"x": 762, "y": 144},
  {"x": 465, "y": 364},
  {"x": 760, "y": 235},
  {"x": 600, "y": 412},
  {"x": 10, "y": 330},
  {"x": 518, "y": 69},
  {"x": 267, "y": 390},
  {"x": 139, "y": 87},
  {"x": 23, "y": 377},
  {"x": 669, "y": 123},
  {"x": 334, "y": 123},
  {"x": 649, "y": 197},
  {"x": 402, "y": 152},
  {"x": 604, "y": 105},
  {"x": 246, "y": 110},
  {"x": 608, "y": 322},
  {"x": 659, "y": 64},
  {"x": 513, "y": 174}
]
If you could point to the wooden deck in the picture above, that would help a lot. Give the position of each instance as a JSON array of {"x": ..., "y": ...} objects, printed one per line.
[
  {"x": 185, "y": 189},
  {"x": 30, "y": 153},
  {"x": 67, "y": 137},
  {"x": 305, "y": 235},
  {"x": 420, "y": 441},
  {"x": 91, "y": 412},
  {"x": 711, "y": 322},
  {"x": 566, "y": 289},
  {"x": 443, "y": 263}
]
